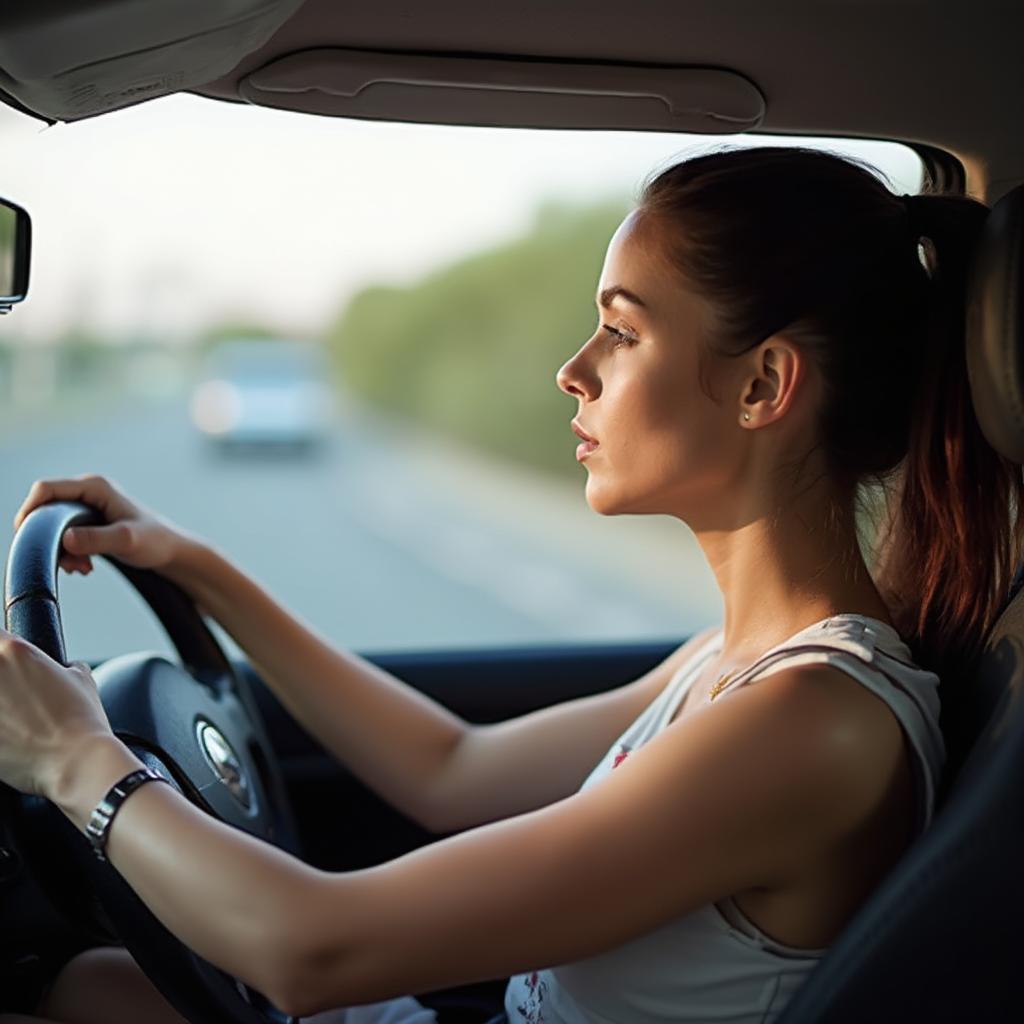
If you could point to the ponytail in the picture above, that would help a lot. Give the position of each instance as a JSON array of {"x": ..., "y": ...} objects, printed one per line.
[{"x": 956, "y": 524}]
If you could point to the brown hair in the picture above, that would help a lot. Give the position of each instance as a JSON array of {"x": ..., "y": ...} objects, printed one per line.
[{"x": 817, "y": 244}]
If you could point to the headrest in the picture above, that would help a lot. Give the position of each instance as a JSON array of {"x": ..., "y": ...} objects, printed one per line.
[{"x": 995, "y": 327}]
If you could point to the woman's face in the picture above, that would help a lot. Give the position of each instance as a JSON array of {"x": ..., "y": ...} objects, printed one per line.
[{"x": 663, "y": 446}]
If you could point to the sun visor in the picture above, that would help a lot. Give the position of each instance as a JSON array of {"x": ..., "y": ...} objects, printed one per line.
[
  {"x": 505, "y": 92},
  {"x": 68, "y": 59}
]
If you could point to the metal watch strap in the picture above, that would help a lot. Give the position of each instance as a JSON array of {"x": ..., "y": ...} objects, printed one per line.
[{"x": 98, "y": 828}]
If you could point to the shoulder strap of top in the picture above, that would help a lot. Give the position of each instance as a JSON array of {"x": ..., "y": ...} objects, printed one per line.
[
  {"x": 769, "y": 658},
  {"x": 772, "y": 658}
]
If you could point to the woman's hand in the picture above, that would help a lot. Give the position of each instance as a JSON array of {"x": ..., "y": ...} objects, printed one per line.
[
  {"x": 135, "y": 535},
  {"x": 49, "y": 717}
]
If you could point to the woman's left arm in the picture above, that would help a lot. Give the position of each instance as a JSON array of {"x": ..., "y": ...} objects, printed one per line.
[{"x": 739, "y": 794}]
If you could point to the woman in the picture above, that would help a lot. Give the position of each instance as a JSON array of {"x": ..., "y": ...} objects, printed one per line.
[{"x": 770, "y": 343}]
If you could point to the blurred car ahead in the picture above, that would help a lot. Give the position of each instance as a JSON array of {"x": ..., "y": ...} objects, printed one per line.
[{"x": 264, "y": 394}]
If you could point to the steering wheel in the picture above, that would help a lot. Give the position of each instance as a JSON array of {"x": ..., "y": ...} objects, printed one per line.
[{"x": 196, "y": 723}]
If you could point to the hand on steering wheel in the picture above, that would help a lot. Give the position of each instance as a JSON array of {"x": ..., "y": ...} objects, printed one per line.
[
  {"x": 124, "y": 529},
  {"x": 196, "y": 723},
  {"x": 49, "y": 714}
]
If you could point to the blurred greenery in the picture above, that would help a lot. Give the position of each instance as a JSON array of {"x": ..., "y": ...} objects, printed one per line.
[
  {"x": 472, "y": 349},
  {"x": 231, "y": 330},
  {"x": 84, "y": 358},
  {"x": 8, "y": 224},
  {"x": 8, "y": 231}
]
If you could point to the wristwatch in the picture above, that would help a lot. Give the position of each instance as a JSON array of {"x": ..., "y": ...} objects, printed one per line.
[{"x": 98, "y": 828}]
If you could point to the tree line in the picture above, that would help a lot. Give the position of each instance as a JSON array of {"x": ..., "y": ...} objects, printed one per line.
[{"x": 471, "y": 350}]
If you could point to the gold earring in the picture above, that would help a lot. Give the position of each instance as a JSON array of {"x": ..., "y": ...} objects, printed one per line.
[{"x": 746, "y": 415}]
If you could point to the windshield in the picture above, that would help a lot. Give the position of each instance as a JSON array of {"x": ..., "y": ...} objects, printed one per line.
[
  {"x": 329, "y": 347},
  {"x": 270, "y": 362}
]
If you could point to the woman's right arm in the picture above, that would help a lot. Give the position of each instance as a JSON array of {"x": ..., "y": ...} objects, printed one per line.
[{"x": 426, "y": 761}]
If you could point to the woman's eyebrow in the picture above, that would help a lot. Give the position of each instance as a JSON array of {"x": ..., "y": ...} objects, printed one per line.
[{"x": 616, "y": 291}]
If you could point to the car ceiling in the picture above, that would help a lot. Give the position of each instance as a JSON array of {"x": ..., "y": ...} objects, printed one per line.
[{"x": 948, "y": 75}]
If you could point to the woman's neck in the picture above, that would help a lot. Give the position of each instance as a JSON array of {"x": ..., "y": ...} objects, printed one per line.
[{"x": 778, "y": 575}]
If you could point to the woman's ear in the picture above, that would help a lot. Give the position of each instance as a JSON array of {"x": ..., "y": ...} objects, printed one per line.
[{"x": 775, "y": 376}]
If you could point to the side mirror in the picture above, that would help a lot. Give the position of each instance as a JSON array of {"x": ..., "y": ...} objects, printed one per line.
[{"x": 15, "y": 247}]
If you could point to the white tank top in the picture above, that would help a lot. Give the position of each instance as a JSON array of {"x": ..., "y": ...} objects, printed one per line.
[{"x": 714, "y": 964}]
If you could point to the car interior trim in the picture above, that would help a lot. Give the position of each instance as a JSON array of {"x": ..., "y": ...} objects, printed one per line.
[
  {"x": 995, "y": 332},
  {"x": 354, "y": 83},
  {"x": 66, "y": 61}
]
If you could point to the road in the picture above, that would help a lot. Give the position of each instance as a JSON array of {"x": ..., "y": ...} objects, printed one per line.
[{"x": 385, "y": 540}]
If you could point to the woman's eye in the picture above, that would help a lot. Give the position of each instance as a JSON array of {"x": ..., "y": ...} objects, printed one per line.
[{"x": 620, "y": 337}]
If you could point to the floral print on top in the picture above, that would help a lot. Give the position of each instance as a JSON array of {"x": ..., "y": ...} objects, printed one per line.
[{"x": 530, "y": 1009}]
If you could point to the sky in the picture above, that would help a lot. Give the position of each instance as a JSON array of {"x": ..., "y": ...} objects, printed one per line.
[{"x": 177, "y": 214}]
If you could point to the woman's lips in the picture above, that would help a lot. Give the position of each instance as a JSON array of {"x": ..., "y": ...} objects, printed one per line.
[{"x": 589, "y": 443}]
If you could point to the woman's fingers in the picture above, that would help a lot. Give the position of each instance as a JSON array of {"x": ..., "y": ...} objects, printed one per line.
[
  {"x": 116, "y": 539},
  {"x": 93, "y": 490},
  {"x": 75, "y": 563},
  {"x": 131, "y": 532},
  {"x": 81, "y": 542},
  {"x": 47, "y": 713}
]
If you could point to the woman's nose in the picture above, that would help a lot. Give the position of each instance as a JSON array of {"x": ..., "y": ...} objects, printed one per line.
[{"x": 574, "y": 379}]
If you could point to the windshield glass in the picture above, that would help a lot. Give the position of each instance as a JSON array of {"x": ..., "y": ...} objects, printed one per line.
[
  {"x": 264, "y": 361},
  {"x": 329, "y": 347}
]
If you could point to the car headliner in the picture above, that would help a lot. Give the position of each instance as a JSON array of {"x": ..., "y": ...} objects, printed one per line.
[
  {"x": 950, "y": 75},
  {"x": 943, "y": 74}
]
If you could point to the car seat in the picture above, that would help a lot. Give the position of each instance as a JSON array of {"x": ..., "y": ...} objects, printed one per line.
[{"x": 939, "y": 939}]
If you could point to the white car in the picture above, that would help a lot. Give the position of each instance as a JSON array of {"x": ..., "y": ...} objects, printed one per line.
[{"x": 257, "y": 393}]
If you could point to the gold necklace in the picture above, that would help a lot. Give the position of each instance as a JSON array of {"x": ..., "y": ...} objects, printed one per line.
[{"x": 723, "y": 681}]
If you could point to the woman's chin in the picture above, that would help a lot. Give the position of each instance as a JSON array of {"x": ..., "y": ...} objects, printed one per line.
[
  {"x": 608, "y": 500},
  {"x": 604, "y": 500}
]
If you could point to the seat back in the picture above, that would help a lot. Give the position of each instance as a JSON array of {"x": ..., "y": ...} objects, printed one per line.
[{"x": 939, "y": 939}]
